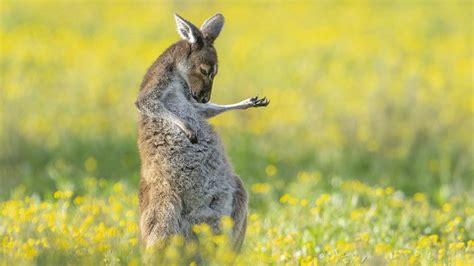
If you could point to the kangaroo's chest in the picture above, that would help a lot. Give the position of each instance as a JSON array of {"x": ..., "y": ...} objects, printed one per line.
[
  {"x": 200, "y": 172},
  {"x": 176, "y": 102}
]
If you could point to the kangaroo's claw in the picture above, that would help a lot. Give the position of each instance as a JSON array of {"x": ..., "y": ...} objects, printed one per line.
[
  {"x": 190, "y": 134},
  {"x": 259, "y": 102},
  {"x": 192, "y": 137}
]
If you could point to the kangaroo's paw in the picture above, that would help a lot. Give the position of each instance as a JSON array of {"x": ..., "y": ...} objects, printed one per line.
[
  {"x": 256, "y": 102},
  {"x": 190, "y": 134}
]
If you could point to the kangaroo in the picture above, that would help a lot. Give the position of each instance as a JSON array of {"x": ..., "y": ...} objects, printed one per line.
[{"x": 186, "y": 178}]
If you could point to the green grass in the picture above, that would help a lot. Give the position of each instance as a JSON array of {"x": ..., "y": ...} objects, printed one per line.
[{"x": 376, "y": 92}]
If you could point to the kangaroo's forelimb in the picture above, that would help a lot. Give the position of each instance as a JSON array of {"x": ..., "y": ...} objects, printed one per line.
[
  {"x": 209, "y": 110},
  {"x": 154, "y": 108}
]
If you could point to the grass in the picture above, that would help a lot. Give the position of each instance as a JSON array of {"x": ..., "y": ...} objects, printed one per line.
[
  {"x": 372, "y": 102},
  {"x": 353, "y": 224}
]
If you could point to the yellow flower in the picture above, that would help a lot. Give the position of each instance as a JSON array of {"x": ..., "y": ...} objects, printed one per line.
[
  {"x": 306, "y": 177},
  {"x": 78, "y": 200},
  {"x": 389, "y": 190},
  {"x": 308, "y": 261},
  {"x": 90, "y": 164},
  {"x": 219, "y": 239},
  {"x": 441, "y": 253},
  {"x": 227, "y": 223},
  {"x": 358, "y": 214},
  {"x": 333, "y": 259},
  {"x": 253, "y": 217},
  {"x": 304, "y": 202},
  {"x": 315, "y": 210},
  {"x": 343, "y": 246},
  {"x": 323, "y": 199},
  {"x": 62, "y": 194},
  {"x": 29, "y": 251},
  {"x": 201, "y": 228},
  {"x": 118, "y": 187},
  {"x": 364, "y": 237},
  {"x": 379, "y": 192},
  {"x": 420, "y": 197},
  {"x": 287, "y": 198},
  {"x": 271, "y": 170},
  {"x": 261, "y": 188},
  {"x": 327, "y": 248},
  {"x": 470, "y": 244},
  {"x": 176, "y": 240},
  {"x": 423, "y": 242},
  {"x": 447, "y": 207},
  {"x": 412, "y": 260},
  {"x": 382, "y": 248},
  {"x": 456, "y": 246}
]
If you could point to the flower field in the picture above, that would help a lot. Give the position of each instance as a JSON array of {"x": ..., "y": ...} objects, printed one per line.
[
  {"x": 364, "y": 156},
  {"x": 354, "y": 224}
]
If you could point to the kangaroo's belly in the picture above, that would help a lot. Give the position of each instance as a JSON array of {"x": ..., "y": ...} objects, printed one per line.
[{"x": 199, "y": 173}]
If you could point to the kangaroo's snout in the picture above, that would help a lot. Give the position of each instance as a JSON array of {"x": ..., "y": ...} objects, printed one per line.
[{"x": 202, "y": 97}]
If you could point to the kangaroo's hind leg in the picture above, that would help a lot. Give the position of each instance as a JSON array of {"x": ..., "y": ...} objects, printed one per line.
[
  {"x": 160, "y": 215},
  {"x": 239, "y": 214}
]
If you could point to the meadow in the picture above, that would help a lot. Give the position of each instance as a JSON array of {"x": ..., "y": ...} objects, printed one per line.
[{"x": 364, "y": 156}]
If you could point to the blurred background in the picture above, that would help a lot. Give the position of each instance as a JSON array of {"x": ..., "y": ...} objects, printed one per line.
[{"x": 377, "y": 91}]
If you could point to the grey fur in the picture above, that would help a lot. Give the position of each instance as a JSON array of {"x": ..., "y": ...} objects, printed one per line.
[
  {"x": 212, "y": 27},
  {"x": 186, "y": 178}
]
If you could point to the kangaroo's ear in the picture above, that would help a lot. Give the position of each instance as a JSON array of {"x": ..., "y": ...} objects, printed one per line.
[
  {"x": 187, "y": 30},
  {"x": 212, "y": 27}
]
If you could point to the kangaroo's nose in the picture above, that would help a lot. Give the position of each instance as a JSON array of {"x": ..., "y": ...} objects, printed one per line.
[
  {"x": 195, "y": 96},
  {"x": 206, "y": 99}
]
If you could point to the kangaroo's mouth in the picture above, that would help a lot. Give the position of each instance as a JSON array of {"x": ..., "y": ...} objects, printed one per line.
[
  {"x": 201, "y": 98},
  {"x": 206, "y": 99}
]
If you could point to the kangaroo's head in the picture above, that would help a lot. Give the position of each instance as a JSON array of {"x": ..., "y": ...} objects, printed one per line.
[{"x": 199, "y": 67}]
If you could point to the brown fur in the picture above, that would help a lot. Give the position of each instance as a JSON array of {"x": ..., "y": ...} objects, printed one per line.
[{"x": 186, "y": 178}]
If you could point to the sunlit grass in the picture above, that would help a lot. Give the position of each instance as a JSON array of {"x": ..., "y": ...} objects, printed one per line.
[
  {"x": 363, "y": 156},
  {"x": 369, "y": 90},
  {"x": 353, "y": 224}
]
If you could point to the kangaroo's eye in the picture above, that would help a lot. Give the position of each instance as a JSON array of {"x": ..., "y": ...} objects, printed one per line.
[{"x": 203, "y": 71}]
